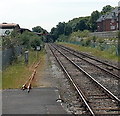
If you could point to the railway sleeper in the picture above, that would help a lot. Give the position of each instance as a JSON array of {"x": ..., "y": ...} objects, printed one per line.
[{"x": 99, "y": 97}]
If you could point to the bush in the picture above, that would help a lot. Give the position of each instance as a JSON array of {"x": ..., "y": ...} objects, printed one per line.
[
  {"x": 63, "y": 38},
  {"x": 30, "y": 39},
  {"x": 94, "y": 38}
]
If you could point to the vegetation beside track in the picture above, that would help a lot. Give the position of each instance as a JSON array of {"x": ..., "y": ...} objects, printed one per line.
[
  {"x": 15, "y": 75},
  {"x": 93, "y": 51},
  {"x": 39, "y": 70}
]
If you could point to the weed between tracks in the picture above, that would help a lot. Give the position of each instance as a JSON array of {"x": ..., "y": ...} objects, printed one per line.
[
  {"x": 16, "y": 74},
  {"x": 93, "y": 51}
]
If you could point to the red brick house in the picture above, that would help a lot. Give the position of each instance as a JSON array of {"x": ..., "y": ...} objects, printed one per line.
[
  {"x": 109, "y": 22},
  {"x": 100, "y": 24}
]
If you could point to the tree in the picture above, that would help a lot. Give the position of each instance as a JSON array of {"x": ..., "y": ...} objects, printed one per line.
[
  {"x": 54, "y": 33},
  {"x": 67, "y": 30},
  {"x": 82, "y": 25},
  {"x": 106, "y": 9},
  {"x": 30, "y": 39},
  {"x": 60, "y": 28},
  {"x": 35, "y": 42},
  {"x": 39, "y": 29},
  {"x": 92, "y": 20}
]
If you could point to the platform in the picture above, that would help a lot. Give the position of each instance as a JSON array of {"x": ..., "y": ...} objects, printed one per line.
[{"x": 38, "y": 101}]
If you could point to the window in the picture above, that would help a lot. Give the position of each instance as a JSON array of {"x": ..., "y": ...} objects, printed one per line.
[{"x": 112, "y": 27}]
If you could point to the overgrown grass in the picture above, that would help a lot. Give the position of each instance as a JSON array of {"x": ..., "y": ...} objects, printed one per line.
[
  {"x": 93, "y": 51},
  {"x": 16, "y": 74}
]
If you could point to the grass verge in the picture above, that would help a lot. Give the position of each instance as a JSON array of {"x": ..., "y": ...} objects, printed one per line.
[
  {"x": 16, "y": 74},
  {"x": 93, "y": 51}
]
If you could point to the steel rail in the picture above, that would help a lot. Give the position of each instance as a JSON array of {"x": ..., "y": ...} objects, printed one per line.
[
  {"x": 92, "y": 57},
  {"x": 27, "y": 85},
  {"x": 117, "y": 76},
  {"x": 110, "y": 94},
  {"x": 80, "y": 93},
  {"x": 30, "y": 82}
]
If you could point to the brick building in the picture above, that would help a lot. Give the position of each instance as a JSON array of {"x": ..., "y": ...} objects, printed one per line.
[
  {"x": 100, "y": 23},
  {"x": 109, "y": 21}
]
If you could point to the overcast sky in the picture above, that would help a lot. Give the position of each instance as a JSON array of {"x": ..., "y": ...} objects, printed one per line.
[{"x": 47, "y": 13}]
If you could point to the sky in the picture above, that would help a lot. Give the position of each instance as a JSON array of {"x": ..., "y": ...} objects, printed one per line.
[{"x": 48, "y": 13}]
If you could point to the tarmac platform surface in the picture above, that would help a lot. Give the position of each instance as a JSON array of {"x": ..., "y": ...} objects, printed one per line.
[{"x": 38, "y": 101}]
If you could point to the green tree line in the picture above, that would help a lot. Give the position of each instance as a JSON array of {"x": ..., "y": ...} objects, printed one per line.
[
  {"x": 27, "y": 39},
  {"x": 79, "y": 24}
]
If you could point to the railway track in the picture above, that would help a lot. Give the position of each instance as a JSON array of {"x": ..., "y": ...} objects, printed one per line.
[
  {"x": 95, "y": 97},
  {"x": 107, "y": 67},
  {"x": 95, "y": 69}
]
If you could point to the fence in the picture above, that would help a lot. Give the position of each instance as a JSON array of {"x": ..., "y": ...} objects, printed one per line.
[{"x": 6, "y": 56}]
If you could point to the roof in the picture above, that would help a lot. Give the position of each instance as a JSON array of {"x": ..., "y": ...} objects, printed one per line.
[
  {"x": 101, "y": 18},
  {"x": 24, "y": 29},
  {"x": 111, "y": 15},
  {"x": 8, "y": 25}
]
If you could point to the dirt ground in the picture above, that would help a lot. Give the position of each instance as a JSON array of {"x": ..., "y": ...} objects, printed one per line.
[{"x": 47, "y": 72}]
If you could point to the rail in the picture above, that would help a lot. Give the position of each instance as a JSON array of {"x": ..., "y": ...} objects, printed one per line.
[
  {"x": 79, "y": 91},
  {"x": 73, "y": 52},
  {"x": 28, "y": 84}
]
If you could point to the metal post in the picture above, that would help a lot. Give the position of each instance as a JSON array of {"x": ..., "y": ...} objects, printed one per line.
[{"x": 26, "y": 57}]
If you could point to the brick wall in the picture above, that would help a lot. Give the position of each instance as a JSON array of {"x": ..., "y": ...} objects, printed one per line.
[
  {"x": 111, "y": 25},
  {"x": 107, "y": 25},
  {"x": 104, "y": 25},
  {"x": 99, "y": 27}
]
